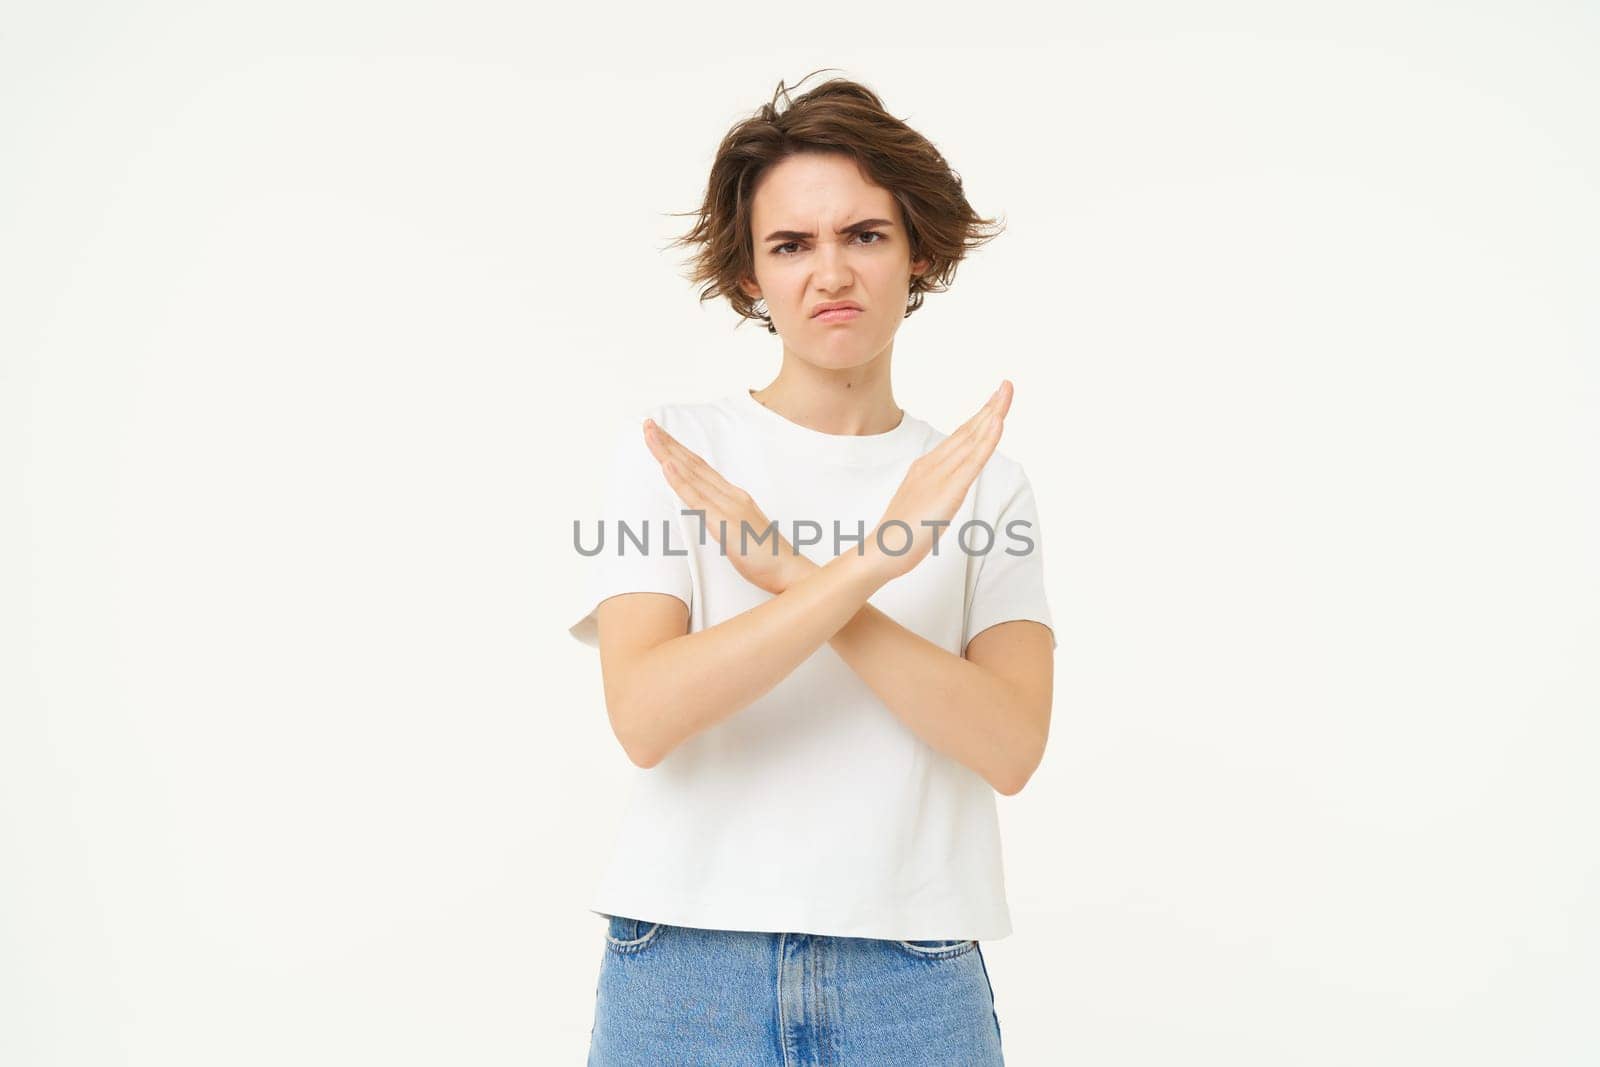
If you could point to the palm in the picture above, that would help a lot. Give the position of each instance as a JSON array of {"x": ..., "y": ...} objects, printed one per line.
[
  {"x": 936, "y": 485},
  {"x": 767, "y": 561}
]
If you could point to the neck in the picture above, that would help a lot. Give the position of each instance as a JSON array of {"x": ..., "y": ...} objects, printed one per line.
[{"x": 852, "y": 401}]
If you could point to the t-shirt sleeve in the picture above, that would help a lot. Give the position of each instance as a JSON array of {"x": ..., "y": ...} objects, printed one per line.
[
  {"x": 637, "y": 494},
  {"x": 1010, "y": 576}
]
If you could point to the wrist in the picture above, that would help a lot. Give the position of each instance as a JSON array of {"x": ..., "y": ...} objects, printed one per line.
[
  {"x": 873, "y": 561},
  {"x": 870, "y": 565},
  {"x": 798, "y": 569}
]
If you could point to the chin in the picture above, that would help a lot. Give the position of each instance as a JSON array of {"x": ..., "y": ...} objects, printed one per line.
[
  {"x": 840, "y": 359},
  {"x": 839, "y": 351}
]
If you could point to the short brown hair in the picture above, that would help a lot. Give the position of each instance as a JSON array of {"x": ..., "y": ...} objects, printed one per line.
[{"x": 843, "y": 117}]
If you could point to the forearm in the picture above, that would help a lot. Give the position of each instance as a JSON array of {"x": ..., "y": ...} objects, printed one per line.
[
  {"x": 965, "y": 711},
  {"x": 680, "y": 687}
]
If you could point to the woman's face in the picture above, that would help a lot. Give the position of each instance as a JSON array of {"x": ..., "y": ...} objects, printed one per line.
[{"x": 802, "y": 261}]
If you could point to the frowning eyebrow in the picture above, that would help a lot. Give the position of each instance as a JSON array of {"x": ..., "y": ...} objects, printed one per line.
[{"x": 796, "y": 235}]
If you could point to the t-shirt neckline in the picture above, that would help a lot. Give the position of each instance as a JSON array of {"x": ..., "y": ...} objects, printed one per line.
[{"x": 833, "y": 447}]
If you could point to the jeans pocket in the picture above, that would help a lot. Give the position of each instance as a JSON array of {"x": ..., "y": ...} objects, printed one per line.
[
  {"x": 938, "y": 949},
  {"x": 627, "y": 936}
]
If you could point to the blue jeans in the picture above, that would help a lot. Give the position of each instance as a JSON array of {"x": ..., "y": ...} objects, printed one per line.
[{"x": 681, "y": 996}]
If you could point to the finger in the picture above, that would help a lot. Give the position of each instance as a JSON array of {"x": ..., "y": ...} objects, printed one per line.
[
  {"x": 666, "y": 449},
  {"x": 995, "y": 409},
  {"x": 702, "y": 489},
  {"x": 688, "y": 493},
  {"x": 656, "y": 443},
  {"x": 662, "y": 443},
  {"x": 687, "y": 458},
  {"x": 713, "y": 517},
  {"x": 713, "y": 491},
  {"x": 671, "y": 443},
  {"x": 999, "y": 400},
  {"x": 655, "y": 439},
  {"x": 983, "y": 449},
  {"x": 983, "y": 434},
  {"x": 978, "y": 416},
  {"x": 1008, "y": 392},
  {"x": 709, "y": 485}
]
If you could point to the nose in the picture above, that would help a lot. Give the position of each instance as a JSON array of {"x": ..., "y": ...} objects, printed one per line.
[{"x": 833, "y": 272}]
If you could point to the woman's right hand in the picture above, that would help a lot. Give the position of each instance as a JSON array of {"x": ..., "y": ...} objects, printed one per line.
[{"x": 935, "y": 486}]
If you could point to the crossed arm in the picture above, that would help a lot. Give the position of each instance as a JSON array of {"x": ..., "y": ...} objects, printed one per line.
[{"x": 988, "y": 709}]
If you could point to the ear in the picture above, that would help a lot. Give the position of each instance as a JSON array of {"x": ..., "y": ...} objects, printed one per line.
[
  {"x": 920, "y": 265},
  {"x": 749, "y": 288}
]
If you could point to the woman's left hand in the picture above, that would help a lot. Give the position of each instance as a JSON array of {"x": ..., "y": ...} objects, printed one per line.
[{"x": 726, "y": 506}]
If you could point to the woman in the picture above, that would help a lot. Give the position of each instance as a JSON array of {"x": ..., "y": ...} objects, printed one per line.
[{"x": 811, "y": 853}]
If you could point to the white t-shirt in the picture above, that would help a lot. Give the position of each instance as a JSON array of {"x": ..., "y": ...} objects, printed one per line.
[{"x": 814, "y": 809}]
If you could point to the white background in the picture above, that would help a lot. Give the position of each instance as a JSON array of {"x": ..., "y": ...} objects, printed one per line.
[{"x": 312, "y": 314}]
